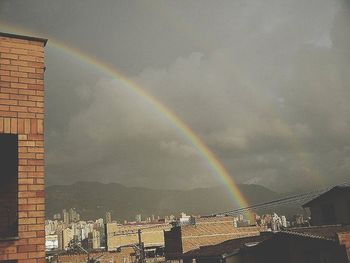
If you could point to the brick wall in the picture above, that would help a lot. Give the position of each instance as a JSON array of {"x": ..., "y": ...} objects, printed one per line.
[{"x": 22, "y": 113}]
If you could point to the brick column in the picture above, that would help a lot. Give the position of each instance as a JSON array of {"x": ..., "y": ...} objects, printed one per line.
[{"x": 22, "y": 113}]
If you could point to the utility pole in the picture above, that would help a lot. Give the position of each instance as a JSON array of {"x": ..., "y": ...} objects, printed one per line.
[{"x": 141, "y": 247}]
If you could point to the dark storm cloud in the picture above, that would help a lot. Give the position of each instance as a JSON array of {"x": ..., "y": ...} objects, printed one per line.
[{"x": 264, "y": 83}]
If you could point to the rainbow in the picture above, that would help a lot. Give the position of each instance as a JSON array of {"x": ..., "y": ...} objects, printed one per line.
[{"x": 181, "y": 126}]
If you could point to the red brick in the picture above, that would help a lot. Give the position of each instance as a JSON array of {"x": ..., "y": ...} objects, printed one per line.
[
  {"x": 13, "y": 125},
  {"x": 19, "y": 74},
  {"x": 8, "y": 114},
  {"x": 27, "y": 103},
  {"x": 8, "y": 78},
  {"x": 36, "y": 214},
  {"x": 40, "y": 207},
  {"x": 26, "y": 58},
  {"x": 26, "y": 115},
  {"x": 27, "y": 155},
  {"x": 19, "y": 85},
  {"x": 32, "y": 260},
  {"x": 37, "y": 240},
  {"x": 19, "y": 63},
  {"x": 4, "y": 108},
  {"x": 26, "y": 248},
  {"x": 10, "y": 90},
  {"x": 36, "y": 137},
  {"x": 4, "y": 61},
  {"x": 27, "y": 194},
  {"x": 22, "y": 113},
  {"x": 39, "y": 181},
  {"x": 26, "y": 69},
  {"x": 4, "y": 72},
  {"x": 27, "y": 92},
  {"x": 20, "y": 125},
  {"x": 19, "y": 51},
  {"x": 18, "y": 256},
  {"x": 40, "y": 193},
  {"x": 36, "y": 110},
  {"x": 5, "y": 84},
  {"x": 8, "y": 56},
  {"x": 36, "y": 200},
  {"x": 21, "y": 98},
  {"x": 4, "y": 96},
  {"x": 8, "y": 102},
  {"x": 36, "y": 227},
  {"x": 35, "y": 187},
  {"x": 18, "y": 108},
  {"x": 33, "y": 127},
  {"x": 36, "y": 149},
  {"x": 27, "y": 80},
  {"x": 7, "y": 125}
]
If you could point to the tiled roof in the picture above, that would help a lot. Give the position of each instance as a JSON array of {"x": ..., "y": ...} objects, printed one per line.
[
  {"x": 325, "y": 232},
  {"x": 227, "y": 247},
  {"x": 214, "y": 232}
]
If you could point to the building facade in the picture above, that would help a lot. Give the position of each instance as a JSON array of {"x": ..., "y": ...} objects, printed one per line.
[
  {"x": 152, "y": 235},
  {"x": 22, "y": 196},
  {"x": 205, "y": 231},
  {"x": 331, "y": 207}
]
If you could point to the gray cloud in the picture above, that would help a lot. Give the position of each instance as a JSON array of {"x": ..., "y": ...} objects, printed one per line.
[{"x": 264, "y": 83}]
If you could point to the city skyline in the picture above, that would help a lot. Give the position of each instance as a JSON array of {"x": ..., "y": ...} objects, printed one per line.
[{"x": 265, "y": 89}]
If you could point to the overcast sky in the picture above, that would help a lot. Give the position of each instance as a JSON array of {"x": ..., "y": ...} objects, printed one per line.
[{"x": 266, "y": 85}]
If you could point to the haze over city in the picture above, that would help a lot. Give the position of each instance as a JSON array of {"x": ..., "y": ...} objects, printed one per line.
[{"x": 264, "y": 84}]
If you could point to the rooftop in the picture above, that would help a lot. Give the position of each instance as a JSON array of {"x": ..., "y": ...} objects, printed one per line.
[
  {"x": 224, "y": 248},
  {"x": 325, "y": 232},
  {"x": 30, "y": 38},
  {"x": 336, "y": 189},
  {"x": 232, "y": 246}
]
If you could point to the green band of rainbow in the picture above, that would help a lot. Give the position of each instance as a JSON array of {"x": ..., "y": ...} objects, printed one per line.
[{"x": 185, "y": 130}]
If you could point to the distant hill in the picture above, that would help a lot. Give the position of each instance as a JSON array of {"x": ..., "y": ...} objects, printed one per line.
[{"x": 92, "y": 200}]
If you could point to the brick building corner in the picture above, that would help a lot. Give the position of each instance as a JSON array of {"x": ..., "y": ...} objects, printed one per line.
[{"x": 22, "y": 69}]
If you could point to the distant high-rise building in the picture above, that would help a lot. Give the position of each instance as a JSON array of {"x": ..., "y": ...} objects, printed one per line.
[
  {"x": 99, "y": 223},
  {"x": 284, "y": 221},
  {"x": 65, "y": 216},
  {"x": 57, "y": 216},
  {"x": 108, "y": 217},
  {"x": 67, "y": 236},
  {"x": 276, "y": 222},
  {"x": 96, "y": 239},
  {"x": 138, "y": 218},
  {"x": 74, "y": 216}
]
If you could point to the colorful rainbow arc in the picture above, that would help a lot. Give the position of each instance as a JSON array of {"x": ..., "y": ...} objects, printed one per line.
[{"x": 202, "y": 148}]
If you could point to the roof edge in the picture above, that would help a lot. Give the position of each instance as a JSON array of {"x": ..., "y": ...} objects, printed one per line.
[
  {"x": 11, "y": 35},
  {"x": 321, "y": 195}
]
